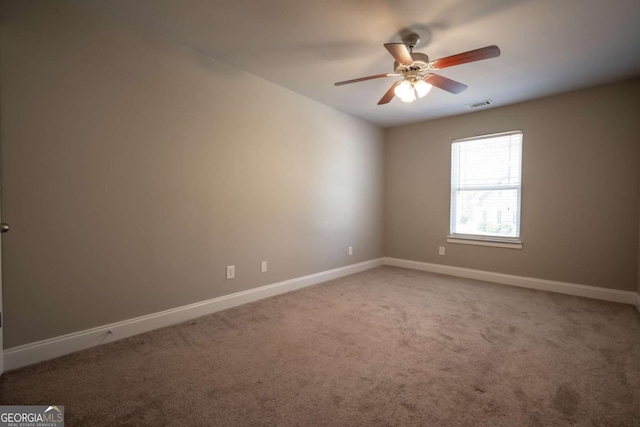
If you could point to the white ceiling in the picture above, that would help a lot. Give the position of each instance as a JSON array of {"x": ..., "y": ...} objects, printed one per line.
[{"x": 548, "y": 46}]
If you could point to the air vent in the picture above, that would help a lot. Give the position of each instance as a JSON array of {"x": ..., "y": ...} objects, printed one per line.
[{"x": 480, "y": 104}]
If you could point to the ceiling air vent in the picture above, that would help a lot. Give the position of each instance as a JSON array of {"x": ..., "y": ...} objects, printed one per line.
[{"x": 480, "y": 104}]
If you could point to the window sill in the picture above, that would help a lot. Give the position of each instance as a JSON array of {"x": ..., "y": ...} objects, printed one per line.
[{"x": 486, "y": 241}]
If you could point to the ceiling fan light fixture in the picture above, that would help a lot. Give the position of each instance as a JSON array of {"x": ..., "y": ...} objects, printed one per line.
[
  {"x": 404, "y": 91},
  {"x": 409, "y": 91},
  {"x": 422, "y": 88},
  {"x": 409, "y": 98}
]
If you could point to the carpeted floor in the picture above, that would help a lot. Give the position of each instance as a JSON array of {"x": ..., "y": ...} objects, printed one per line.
[{"x": 387, "y": 347}]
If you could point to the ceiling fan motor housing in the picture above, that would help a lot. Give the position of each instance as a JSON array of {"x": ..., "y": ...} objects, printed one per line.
[{"x": 420, "y": 62}]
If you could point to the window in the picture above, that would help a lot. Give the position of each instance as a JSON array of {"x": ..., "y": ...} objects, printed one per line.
[{"x": 485, "y": 190}]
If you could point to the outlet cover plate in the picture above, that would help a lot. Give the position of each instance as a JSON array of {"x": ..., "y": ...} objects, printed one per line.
[{"x": 231, "y": 272}]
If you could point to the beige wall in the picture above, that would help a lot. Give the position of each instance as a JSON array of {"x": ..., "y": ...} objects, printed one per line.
[
  {"x": 134, "y": 171},
  {"x": 580, "y": 195}
]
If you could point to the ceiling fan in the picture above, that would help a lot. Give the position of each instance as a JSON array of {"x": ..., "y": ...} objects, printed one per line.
[{"x": 415, "y": 70}]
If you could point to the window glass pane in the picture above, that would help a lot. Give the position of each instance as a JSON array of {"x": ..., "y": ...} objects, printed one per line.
[
  {"x": 485, "y": 185},
  {"x": 492, "y": 162},
  {"x": 487, "y": 213}
]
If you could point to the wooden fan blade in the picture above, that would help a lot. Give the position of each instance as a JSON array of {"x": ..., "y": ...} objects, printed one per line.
[
  {"x": 387, "y": 97},
  {"x": 462, "y": 58},
  {"x": 400, "y": 53},
  {"x": 361, "y": 79},
  {"x": 444, "y": 83}
]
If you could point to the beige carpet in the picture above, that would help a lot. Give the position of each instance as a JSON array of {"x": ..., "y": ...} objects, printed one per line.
[{"x": 385, "y": 347}]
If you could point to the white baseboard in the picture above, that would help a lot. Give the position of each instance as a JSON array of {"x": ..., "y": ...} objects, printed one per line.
[
  {"x": 28, "y": 354},
  {"x": 626, "y": 297}
]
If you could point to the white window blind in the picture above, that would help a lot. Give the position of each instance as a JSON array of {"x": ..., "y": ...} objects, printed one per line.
[{"x": 486, "y": 186}]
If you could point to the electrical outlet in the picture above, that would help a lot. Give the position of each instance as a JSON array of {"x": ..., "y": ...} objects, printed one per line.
[
  {"x": 441, "y": 250},
  {"x": 350, "y": 250},
  {"x": 263, "y": 266},
  {"x": 231, "y": 272}
]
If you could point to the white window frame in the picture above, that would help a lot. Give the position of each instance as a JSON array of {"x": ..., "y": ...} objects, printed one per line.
[{"x": 485, "y": 240}]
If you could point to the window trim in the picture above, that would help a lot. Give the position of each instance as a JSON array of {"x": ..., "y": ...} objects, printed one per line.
[{"x": 479, "y": 239}]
